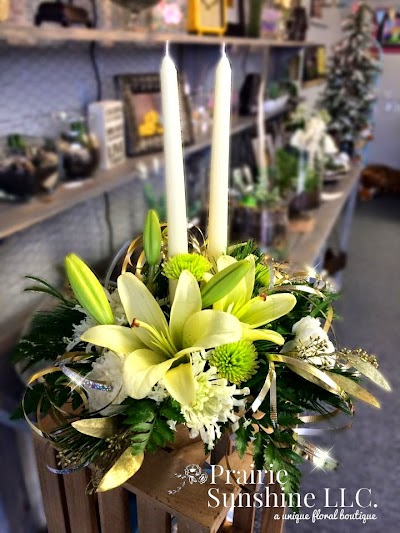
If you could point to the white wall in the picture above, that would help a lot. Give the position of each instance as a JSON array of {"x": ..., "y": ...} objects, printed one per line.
[{"x": 327, "y": 32}]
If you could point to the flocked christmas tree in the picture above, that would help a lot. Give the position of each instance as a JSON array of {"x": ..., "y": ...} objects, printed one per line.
[{"x": 349, "y": 93}]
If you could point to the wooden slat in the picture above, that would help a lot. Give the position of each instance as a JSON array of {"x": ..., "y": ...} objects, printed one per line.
[
  {"x": 151, "y": 517},
  {"x": 269, "y": 524},
  {"x": 31, "y": 35},
  {"x": 82, "y": 510},
  {"x": 191, "y": 503},
  {"x": 114, "y": 511},
  {"x": 52, "y": 488}
]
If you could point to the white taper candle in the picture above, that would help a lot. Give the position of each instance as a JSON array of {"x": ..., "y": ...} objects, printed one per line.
[
  {"x": 219, "y": 173},
  {"x": 174, "y": 173}
]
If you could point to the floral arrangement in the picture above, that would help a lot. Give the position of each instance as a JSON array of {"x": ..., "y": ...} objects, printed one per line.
[
  {"x": 193, "y": 334},
  {"x": 242, "y": 346}
]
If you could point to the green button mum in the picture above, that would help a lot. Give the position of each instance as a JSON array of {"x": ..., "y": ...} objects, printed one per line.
[
  {"x": 195, "y": 263},
  {"x": 236, "y": 361}
]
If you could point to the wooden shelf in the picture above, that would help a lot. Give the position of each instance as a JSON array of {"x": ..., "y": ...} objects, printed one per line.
[
  {"x": 33, "y": 35},
  {"x": 305, "y": 248},
  {"x": 17, "y": 217}
]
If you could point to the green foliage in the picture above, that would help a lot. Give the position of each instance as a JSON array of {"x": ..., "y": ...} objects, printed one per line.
[
  {"x": 45, "y": 288},
  {"x": 157, "y": 204},
  {"x": 286, "y": 170},
  {"x": 45, "y": 338},
  {"x": 348, "y": 96},
  {"x": 147, "y": 421},
  {"x": 243, "y": 436}
]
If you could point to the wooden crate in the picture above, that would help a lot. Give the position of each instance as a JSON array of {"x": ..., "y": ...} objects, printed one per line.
[{"x": 69, "y": 510}]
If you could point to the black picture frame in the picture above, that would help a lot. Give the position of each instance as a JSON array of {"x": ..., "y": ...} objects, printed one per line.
[{"x": 141, "y": 97}]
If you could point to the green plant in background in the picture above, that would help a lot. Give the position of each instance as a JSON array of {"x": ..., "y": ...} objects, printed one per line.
[
  {"x": 349, "y": 96},
  {"x": 312, "y": 181},
  {"x": 286, "y": 165},
  {"x": 157, "y": 204}
]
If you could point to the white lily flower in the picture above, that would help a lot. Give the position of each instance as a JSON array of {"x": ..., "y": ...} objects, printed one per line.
[
  {"x": 254, "y": 312},
  {"x": 157, "y": 350}
]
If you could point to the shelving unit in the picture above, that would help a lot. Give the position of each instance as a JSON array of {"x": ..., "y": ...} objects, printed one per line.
[
  {"x": 307, "y": 248},
  {"x": 33, "y": 35},
  {"x": 17, "y": 217}
]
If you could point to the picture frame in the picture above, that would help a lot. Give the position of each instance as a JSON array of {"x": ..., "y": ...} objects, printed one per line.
[
  {"x": 141, "y": 97},
  {"x": 314, "y": 66},
  {"x": 207, "y": 16},
  {"x": 387, "y": 23}
]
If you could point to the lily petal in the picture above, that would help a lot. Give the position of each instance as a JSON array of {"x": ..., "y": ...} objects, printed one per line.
[
  {"x": 260, "y": 311},
  {"x": 179, "y": 382},
  {"x": 142, "y": 370},
  {"x": 262, "y": 335},
  {"x": 243, "y": 290},
  {"x": 187, "y": 301},
  {"x": 120, "y": 339},
  {"x": 139, "y": 303},
  {"x": 211, "y": 328}
]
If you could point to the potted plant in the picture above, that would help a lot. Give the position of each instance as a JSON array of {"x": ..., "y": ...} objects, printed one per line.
[
  {"x": 261, "y": 208},
  {"x": 312, "y": 144}
]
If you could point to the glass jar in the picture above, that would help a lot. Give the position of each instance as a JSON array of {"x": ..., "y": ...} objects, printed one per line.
[
  {"x": 79, "y": 149},
  {"x": 267, "y": 226}
]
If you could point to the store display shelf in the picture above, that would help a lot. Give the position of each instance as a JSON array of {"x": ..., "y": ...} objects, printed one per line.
[
  {"x": 17, "y": 217},
  {"x": 32, "y": 35},
  {"x": 305, "y": 248}
]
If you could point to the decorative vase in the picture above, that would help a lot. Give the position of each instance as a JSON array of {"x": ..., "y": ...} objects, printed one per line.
[
  {"x": 79, "y": 150},
  {"x": 268, "y": 226},
  {"x": 305, "y": 201}
]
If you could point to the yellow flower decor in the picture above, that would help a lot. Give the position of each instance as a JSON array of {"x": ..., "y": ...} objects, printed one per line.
[{"x": 238, "y": 344}]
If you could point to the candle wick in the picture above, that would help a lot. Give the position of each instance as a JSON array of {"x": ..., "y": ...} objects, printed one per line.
[
  {"x": 167, "y": 48},
  {"x": 223, "y": 49}
]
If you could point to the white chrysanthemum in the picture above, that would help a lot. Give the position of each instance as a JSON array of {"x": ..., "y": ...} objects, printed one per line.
[
  {"x": 116, "y": 307},
  {"x": 107, "y": 369},
  {"x": 78, "y": 329},
  {"x": 312, "y": 342},
  {"x": 88, "y": 322},
  {"x": 158, "y": 393},
  {"x": 214, "y": 402}
]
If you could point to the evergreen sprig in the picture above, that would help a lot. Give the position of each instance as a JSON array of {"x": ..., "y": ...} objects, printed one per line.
[{"x": 148, "y": 423}]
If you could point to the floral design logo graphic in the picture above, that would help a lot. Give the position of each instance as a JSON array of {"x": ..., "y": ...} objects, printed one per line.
[{"x": 193, "y": 474}]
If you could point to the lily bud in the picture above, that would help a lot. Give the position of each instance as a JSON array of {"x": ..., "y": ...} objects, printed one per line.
[
  {"x": 224, "y": 282},
  {"x": 88, "y": 290},
  {"x": 152, "y": 238}
]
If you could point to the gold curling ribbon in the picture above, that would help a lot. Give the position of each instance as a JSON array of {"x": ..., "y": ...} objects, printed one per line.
[
  {"x": 329, "y": 318},
  {"x": 264, "y": 389},
  {"x": 312, "y": 419},
  {"x": 300, "y": 288}
]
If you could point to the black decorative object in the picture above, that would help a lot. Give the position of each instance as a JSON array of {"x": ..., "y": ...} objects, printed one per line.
[
  {"x": 79, "y": 150},
  {"x": 347, "y": 146},
  {"x": 64, "y": 14},
  {"x": 237, "y": 27},
  {"x": 248, "y": 95},
  {"x": 297, "y": 24},
  {"x": 27, "y": 167}
]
